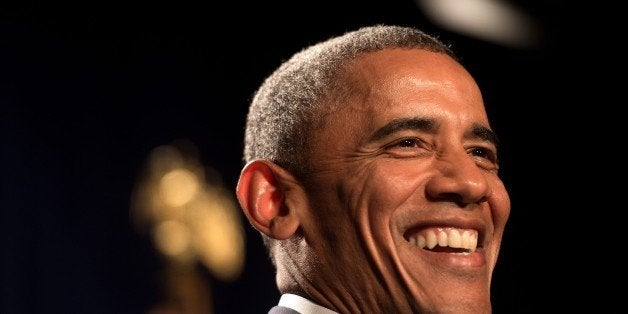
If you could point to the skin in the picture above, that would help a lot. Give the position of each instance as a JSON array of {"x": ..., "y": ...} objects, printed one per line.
[{"x": 410, "y": 148}]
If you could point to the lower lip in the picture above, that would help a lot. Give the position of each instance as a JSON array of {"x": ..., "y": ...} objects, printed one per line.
[{"x": 456, "y": 260}]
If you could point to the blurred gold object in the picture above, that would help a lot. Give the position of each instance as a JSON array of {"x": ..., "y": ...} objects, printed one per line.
[{"x": 190, "y": 216}]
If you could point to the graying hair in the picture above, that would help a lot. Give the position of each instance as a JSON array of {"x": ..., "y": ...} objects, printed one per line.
[{"x": 283, "y": 110}]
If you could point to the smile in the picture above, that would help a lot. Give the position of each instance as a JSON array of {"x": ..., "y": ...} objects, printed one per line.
[{"x": 445, "y": 239}]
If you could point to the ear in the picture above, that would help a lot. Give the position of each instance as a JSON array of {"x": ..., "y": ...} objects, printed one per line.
[{"x": 261, "y": 192}]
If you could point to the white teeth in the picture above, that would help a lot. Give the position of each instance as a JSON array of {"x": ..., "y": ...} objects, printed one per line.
[
  {"x": 442, "y": 238},
  {"x": 420, "y": 241},
  {"x": 446, "y": 237},
  {"x": 430, "y": 240},
  {"x": 466, "y": 239},
  {"x": 455, "y": 240}
]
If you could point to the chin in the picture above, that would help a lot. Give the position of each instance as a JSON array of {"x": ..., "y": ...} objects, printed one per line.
[{"x": 444, "y": 280}]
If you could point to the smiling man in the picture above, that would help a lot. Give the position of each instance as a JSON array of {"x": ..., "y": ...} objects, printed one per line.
[{"x": 371, "y": 173}]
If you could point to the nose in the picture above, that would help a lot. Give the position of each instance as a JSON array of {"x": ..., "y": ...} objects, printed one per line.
[{"x": 458, "y": 179}]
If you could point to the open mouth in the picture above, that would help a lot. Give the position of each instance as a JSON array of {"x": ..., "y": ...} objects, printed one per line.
[{"x": 444, "y": 239}]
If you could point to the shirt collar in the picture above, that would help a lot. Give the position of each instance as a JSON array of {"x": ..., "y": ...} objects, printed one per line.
[{"x": 303, "y": 305}]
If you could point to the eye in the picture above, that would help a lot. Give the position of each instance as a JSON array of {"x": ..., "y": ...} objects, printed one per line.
[
  {"x": 408, "y": 142},
  {"x": 483, "y": 152},
  {"x": 406, "y": 147}
]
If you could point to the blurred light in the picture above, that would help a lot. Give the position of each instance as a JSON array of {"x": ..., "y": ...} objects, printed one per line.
[
  {"x": 490, "y": 20},
  {"x": 220, "y": 241},
  {"x": 172, "y": 238},
  {"x": 178, "y": 187},
  {"x": 189, "y": 219}
]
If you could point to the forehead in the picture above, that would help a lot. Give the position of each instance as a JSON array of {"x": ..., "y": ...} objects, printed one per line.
[{"x": 413, "y": 82}]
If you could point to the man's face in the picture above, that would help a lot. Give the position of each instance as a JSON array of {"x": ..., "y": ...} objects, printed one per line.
[{"x": 407, "y": 209}]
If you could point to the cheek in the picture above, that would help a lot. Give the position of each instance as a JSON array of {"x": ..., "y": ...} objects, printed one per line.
[
  {"x": 500, "y": 205},
  {"x": 390, "y": 184}
]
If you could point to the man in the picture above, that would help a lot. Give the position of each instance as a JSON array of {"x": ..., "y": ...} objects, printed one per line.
[{"x": 372, "y": 176}]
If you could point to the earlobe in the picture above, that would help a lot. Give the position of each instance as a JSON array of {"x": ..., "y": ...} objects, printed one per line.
[{"x": 262, "y": 198}]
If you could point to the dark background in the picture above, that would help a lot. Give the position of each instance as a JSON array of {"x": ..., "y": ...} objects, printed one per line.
[{"x": 88, "y": 89}]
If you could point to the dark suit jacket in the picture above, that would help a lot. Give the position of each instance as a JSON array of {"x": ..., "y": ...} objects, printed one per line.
[{"x": 282, "y": 310}]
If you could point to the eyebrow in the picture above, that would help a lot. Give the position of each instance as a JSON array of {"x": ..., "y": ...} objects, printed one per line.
[
  {"x": 428, "y": 125},
  {"x": 483, "y": 133},
  {"x": 396, "y": 125}
]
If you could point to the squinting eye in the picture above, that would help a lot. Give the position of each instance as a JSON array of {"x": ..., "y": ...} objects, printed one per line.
[
  {"x": 409, "y": 142},
  {"x": 406, "y": 148},
  {"x": 483, "y": 153}
]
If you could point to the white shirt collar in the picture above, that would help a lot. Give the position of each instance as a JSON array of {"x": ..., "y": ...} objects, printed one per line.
[{"x": 303, "y": 305}]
